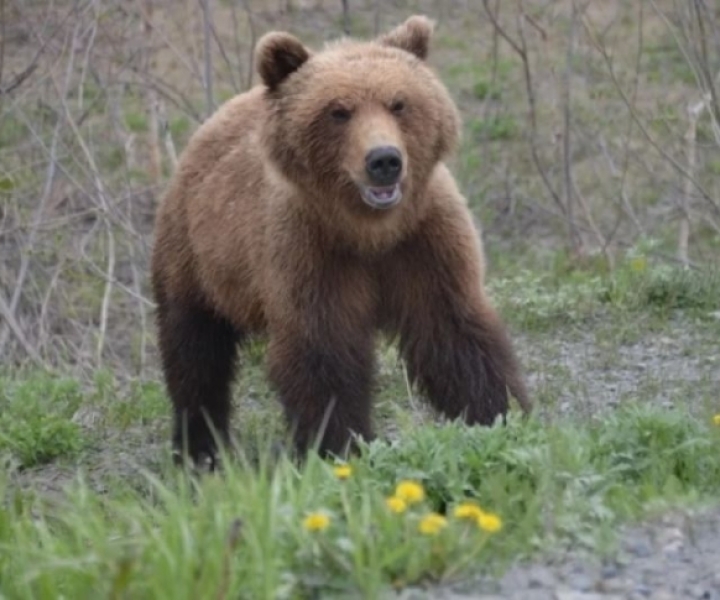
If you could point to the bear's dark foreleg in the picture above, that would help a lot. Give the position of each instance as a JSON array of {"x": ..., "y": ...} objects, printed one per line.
[
  {"x": 198, "y": 352},
  {"x": 453, "y": 341},
  {"x": 324, "y": 389},
  {"x": 465, "y": 364}
]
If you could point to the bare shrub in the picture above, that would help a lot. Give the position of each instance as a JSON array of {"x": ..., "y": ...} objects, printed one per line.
[{"x": 591, "y": 125}]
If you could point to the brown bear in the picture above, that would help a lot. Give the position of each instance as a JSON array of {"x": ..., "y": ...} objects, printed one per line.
[{"x": 316, "y": 208}]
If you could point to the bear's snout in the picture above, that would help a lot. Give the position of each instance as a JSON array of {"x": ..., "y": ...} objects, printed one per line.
[{"x": 384, "y": 165}]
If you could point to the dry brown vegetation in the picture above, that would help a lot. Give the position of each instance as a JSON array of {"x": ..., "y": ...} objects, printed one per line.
[{"x": 591, "y": 127}]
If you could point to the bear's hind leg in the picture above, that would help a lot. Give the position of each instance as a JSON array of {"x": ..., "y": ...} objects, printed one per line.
[{"x": 198, "y": 351}]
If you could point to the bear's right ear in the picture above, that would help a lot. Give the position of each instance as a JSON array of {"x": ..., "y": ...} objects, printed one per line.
[
  {"x": 413, "y": 36},
  {"x": 277, "y": 55}
]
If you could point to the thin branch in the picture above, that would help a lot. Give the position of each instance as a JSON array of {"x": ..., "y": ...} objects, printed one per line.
[
  {"x": 694, "y": 113},
  {"x": 346, "y": 17},
  {"x": 207, "y": 49},
  {"x": 575, "y": 239},
  {"x": 253, "y": 39},
  {"x": 9, "y": 318}
]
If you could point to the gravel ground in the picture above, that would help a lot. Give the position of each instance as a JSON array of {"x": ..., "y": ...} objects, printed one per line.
[{"x": 674, "y": 557}]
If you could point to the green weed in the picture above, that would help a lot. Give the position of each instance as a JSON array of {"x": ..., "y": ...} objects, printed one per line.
[
  {"x": 497, "y": 127},
  {"x": 566, "y": 295},
  {"x": 36, "y": 419}
]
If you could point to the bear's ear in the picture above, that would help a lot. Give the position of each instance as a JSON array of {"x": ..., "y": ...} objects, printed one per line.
[
  {"x": 412, "y": 36},
  {"x": 278, "y": 55}
]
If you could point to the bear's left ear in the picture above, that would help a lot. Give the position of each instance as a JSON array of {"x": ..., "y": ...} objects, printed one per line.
[
  {"x": 412, "y": 36},
  {"x": 277, "y": 55}
]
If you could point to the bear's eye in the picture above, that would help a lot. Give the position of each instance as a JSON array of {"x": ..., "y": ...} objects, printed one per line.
[
  {"x": 397, "y": 107},
  {"x": 341, "y": 115}
]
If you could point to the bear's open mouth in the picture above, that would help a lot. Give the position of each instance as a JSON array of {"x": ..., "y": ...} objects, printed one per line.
[{"x": 381, "y": 197}]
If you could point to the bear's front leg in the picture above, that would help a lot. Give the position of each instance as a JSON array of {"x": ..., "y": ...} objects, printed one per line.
[
  {"x": 321, "y": 319},
  {"x": 324, "y": 386},
  {"x": 464, "y": 363},
  {"x": 455, "y": 345}
]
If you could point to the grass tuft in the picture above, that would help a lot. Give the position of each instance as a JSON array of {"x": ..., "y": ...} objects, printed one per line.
[
  {"x": 539, "y": 301},
  {"x": 36, "y": 424}
]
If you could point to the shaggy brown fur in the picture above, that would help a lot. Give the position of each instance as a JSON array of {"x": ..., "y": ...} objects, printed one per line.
[{"x": 316, "y": 208}]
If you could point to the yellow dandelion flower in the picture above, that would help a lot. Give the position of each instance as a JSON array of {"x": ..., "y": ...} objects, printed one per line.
[
  {"x": 342, "y": 471},
  {"x": 396, "y": 505},
  {"x": 432, "y": 523},
  {"x": 467, "y": 510},
  {"x": 410, "y": 491},
  {"x": 316, "y": 521},
  {"x": 638, "y": 264},
  {"x": 489, "y": 522},
  {"x": 716, "y": 420}
]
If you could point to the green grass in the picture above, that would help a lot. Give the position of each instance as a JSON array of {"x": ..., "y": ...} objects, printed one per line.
[
  {"x": 494, "y": 128},
  {"x": 537, "y": 300},
  {"x": 36, "y": 419},
  {"x": 241, "y": 534}
]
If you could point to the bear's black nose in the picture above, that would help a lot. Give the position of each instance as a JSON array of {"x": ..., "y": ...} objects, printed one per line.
[{"x": 383, "y": 165}]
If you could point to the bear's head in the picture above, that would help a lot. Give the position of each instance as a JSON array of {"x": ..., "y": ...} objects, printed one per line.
[{"x": 360, "y": 125}]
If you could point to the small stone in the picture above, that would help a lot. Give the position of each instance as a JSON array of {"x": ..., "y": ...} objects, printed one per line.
[
  {"x": 610, "y": 571},
  {"x": 672, "y": 540},
  {"x": 697, "y": 591},
  {"x": 643, "y": 590},
  {"x": 585, "y": 596},
  {"x": 662, "y": 595},
  {"x": 614, "y": 585},
  {"x": 541, "y": 577},
  {"x": 581, "y": 582},
  {"x": 640, "y": 548}
]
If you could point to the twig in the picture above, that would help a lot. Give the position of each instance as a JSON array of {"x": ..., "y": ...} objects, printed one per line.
[
  {"x": 9, "y": 318},
  {"x": 223, "y": 53},
  {"x": 169, "y": 144},
  {"x": 18, "y": 79},
  {"x": 694, "y": 113},
  {"x": 253, "y": 39},
  {"x": 576, "y": 243},
  {"x": 377, "y": 17},
  {"x": 207, "y": 39},
  {"x": 2, "y": 39},
  {"x": 346, "y": 17},
  {"x": 153, "y": 136}
]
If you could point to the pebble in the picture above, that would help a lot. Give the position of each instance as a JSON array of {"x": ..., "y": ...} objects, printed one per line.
[
  {"x": 640, "y": 548},
  {"x": 585, "y": 596},
  {"x": 541, "y": 577},
  {"x": 662, "y": 595}
]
